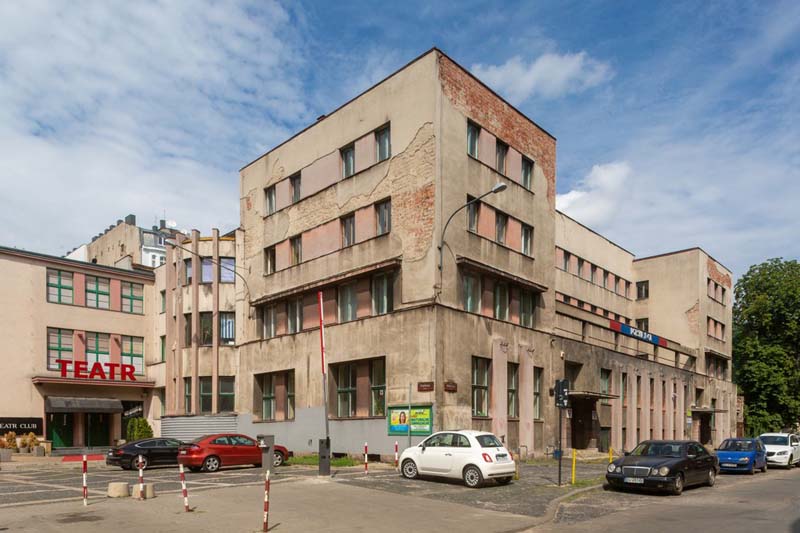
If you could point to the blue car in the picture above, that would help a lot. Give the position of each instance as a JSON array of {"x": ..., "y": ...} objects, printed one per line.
[{"x": 742, "y": 455}]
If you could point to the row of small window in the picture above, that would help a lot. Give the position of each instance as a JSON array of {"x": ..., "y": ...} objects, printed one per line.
[
  {"x": 383, "y": 225},
  {"x": 205, "y": 337},
  {"x": 472, "y": 292},
  {"x": 594, "y": 309},
  {"x": 501, "y": 155},
  {"x": 716, "y": 291},
  {"x": 716, "y": 329},
  {"x": 60, "y": 289},
  {"x": 226, "y": 394},
  {"x": 347, "y": 154},
  {"x": 481, "y": 388},
  {"x": 716, "y": 367},
  {"x": 60, "y": 346},
  {"x": 227, "y": 267},
  {"x": 597, "y": 275},
  {"x": 500, "y": 225},
  {"x": 381, "y": 295}
]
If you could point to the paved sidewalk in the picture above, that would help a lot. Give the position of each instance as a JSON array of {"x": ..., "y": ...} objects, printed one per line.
[{"x": 301, "y": 505}]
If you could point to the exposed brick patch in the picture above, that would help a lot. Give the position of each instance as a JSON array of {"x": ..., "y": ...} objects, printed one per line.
[
  {"x": 512, "y": 127},
  {"x": 693, "y": 318},
  {"x": 718, "y": 276}
]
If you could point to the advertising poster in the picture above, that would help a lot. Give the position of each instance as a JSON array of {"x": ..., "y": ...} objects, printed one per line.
[{"x": 420, "y": 418}]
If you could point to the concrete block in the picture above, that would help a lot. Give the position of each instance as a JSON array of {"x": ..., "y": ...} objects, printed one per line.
[
  {"x": 149, "y": 491},
  {"x": 118, "y": 490}
]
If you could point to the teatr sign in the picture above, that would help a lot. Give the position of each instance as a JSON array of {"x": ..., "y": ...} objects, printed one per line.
[{"x": 80, "y": 370}]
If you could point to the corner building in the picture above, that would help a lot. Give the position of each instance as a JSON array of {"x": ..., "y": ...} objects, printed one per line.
[{"x": 354, "y": 206}]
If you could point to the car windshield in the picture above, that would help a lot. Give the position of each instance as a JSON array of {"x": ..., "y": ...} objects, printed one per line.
[
  {"x": 775, "y": 440},
  {"x": 658, "y": 449},
  {"x": 737, "y": 445},
  {"x": 489, "y": 441}
]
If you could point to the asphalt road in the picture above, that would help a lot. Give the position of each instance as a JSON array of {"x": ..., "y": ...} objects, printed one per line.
[{"x": 763, "y": 503}]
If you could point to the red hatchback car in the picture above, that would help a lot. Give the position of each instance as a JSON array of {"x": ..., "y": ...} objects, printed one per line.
[{"x": 210, "y": 452}]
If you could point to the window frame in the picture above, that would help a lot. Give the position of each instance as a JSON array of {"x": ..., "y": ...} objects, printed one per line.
[
  {"x": 501, "y": 313},
  {"x": 187, "y": 330},
  {"x": 527, "y": 240},
  {"x": 527, "y": 178},
  {"x": 227, "y": 340},
  {"x": 500, "y": 227},
  {"x": 348, "y": 228},
  {"x": 206, "y": 332},
  {"x": 538, "y": 373},
  {"x": 348, "y": 157},
  {"x": 187, "y": 394},
  {"x": 131, "y": 297},
  {"x": 642, "y": 290},
  {"x": 224, "y": 396},
  {"x": 269, "y": 321},
  {"x": 466, "y": 297},
  {"x": 227, "y": 269},
  {"x": 349, "y": 370},
  {"x": 382, "y": 304},
  {"x": 61, "y": 288},
  {"x": 527, "y": 307},
  {"x": 269, "y": 260},
  {"x": 473, "y": 213},
  {"x": 379, "y": 133},
  {"x": 129, "y": 341},
  {"x": 206, "y": 394},
  {"x": 296, "y": 316},
  {"x": 270, "y": 199},
  {"x": 605, "y": 384},
  {"x": 96, "y": 292},
  {"x": 481, "y": 365},
  {"x": 295, "y": 186},
  {"x": 347, "y": 302},
  {"x": 473, "y": 139},
  {"x": 512, "y": 383},
  {"x": 163, "y": 295},
  {"x": 60, "y": 347},
  {"x": 379, "y": 389},
  {"x": 206, "y": 267},
  {"x": 500, "y": 156},
  {"x": 383, "y": 217},
  {"x": 187, "y": 271},
  {"x": 97, "y": 352},
  {"x": 296, "y": 249}
]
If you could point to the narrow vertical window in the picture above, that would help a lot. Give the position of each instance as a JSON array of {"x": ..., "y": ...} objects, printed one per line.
[
  {"x": 133, "y": 353},
  {"x": 480, "y": 386},
  {"x": 227, "y": 269},
  {"x": 501, "y": 223},
  {"x": 132, "y": 297},
  {"x": 593, "y": 274},
  {"x": 377, "y": 385},
  {"x": 226, "y": 395},
  {"x": 347, "y": 302},
  {"x": 269, "y": 260},
  {"x": 205, "y": 395},
  {"x": 382, "y": 294},
  {"x": 513, "y": 385},
  {"x": 527, "y": 240},
  {"x": 383, "y": 216},
  {"x": 206, "y": 329},
  {"x": 187, "y": 330},
  {"x": 187, "y": 271},
  {"x": 163, "y": 301},
  {"x": 526, "y": 307},
  {"x": 580, "y": 267},
  {"x": 605, "y": 384},
  {"x": 501, "y": 301},
  {"x": 269, "y": 321},
  {"x": 206, "y": 270},
  {"x": 163, "y": 342},
  {"x": 269, "y": 195},
  {"x": 187, "y": 394},
  {"x": 348, "y": 230},
  {"x": 501, "y": 152},
  {"x": 227, "y": 328},
  {"x": 290, "y": 395},
  {"x": 383, "y": 144},
  {"x": 565, "y": 261},
  {"x": 527, "y": 173},
  {"x": 59, "y": 347},
  {"x": 296, "y": 245},
  {"x": 268, "y": 397},
  {"x": 294, "y": 311},
  {"x": 642, "y": 290},
  {"x": 472, "y": 294},
  {"x": 294, "y": 184},
  {"x": 346, "y": 390},
  {"x": 348, "y": 161},
  {"x": 472, "y": 214},
  {"x": 473, "y": 132},
  {"x": 537, "y": 392}
]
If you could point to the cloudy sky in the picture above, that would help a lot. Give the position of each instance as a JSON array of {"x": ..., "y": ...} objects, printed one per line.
[{"x": 678, "y": 124}]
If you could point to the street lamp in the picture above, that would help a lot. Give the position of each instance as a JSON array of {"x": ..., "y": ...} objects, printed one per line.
[{"x": 498, "y": 187}]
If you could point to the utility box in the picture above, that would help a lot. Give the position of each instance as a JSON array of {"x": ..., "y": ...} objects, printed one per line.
[
  {"x": 267, "y": 445},
  {"x": 324, "y": 457}
]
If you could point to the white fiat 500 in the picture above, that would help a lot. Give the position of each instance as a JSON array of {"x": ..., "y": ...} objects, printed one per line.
[
  {"x": 783, "y": 449},
  {"x": 473, "y": 456}
]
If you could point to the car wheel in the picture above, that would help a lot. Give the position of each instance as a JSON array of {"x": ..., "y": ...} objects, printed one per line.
[
  {"x": 789, "y": 464},
  {"x": 211, "y": 464},
  {"x": 135, "y": 463},
  {"x": 278, "y": 459},
  {"x": 504, "y": 480},
  {"x": 677, "y": 485},
  {"x": 764, "y": 468},
  {"x": 409, "y": 469},
  {"x": 472, "y": 476},
  {"x": 712, "y": 477}
]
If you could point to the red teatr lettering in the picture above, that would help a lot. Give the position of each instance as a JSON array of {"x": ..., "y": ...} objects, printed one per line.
[{"x": 98, "y": 371}]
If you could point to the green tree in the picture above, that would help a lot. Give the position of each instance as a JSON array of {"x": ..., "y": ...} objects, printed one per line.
[
  {"x": 766, "y": 344},
  {"x": 144, "y": 430}
]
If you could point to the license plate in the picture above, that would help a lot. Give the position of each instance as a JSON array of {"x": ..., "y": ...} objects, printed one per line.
[
  {"x": 501, "y": 457},
  {"x": 635, "y": 480},
  {"x": 728, "y": 465}
]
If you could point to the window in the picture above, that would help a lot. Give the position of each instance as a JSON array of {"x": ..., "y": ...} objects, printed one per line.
[
  {"x": 187, "y": 270},
  {"x": 97, "y": 292},
  {"x": 163, "y": 343},
  {"x": 294, "y": 312},
  {"x": 290, "y": 395},
  {"x": 377, "y": 384},
  {"x": 624, "y": 392},
  {"x": 638, "y": 391},
  {"x": 206, "y": 270},
  {"x": 501, "y": 151},
  {"x": 346, "y": 390},
  {"x": 59, "y": 286},
  {"x": 269, "y": 195},
  {"x": 187, "y": 394},
  {"x": 513, "y": 385},
  {"x": 348, "y": 161},
  {"x": 526, "y": 305},
  {"x": 347, "y": 302},
  {"x": 269, "y": 260},
  {"x": 383, "y": 144},
  {"x": 527, "y": 173},
  {"x": 537, "y": 392},
  {"x": 59, "y": 347},
  {"x": 269, "y": 320},
  {"x": 268, "y": 383},
  {"x": 580, "y": 267},
  {"x": 226, "y": 395},
  {"x": 642, "y": 290},
  {"x": 643, "y": 324},
  {"x": 205, "y": 395},
  {"x": 294, "y": 185},
  {"x": 480, "y": 386},
  {"x": 593, "y": 275},
  {"x": 383, "y": 217},
  {"x": 527, "y": 240},
  {"x": 97, "y": 348},
  {"x": 565, "y": 261},
  {"x": 653, "y": 393},
  {"x": 133, "y": 353},
  {"x": 627, "y": 289},
  {"x": 132, "y": 297},
  {"x": 163, "y": 301},
  {"x": 348, "y": 230},
  {"x": 473, "y": 132},
  {"x": 227, "y": 269},
  {"x": 472, "y": 293},
  {"x": 472, "y": 214},
  {"x": 382, "y": 294},
  {"x": 206, "y": 329},
  {"x": 296, "y": 244},
  {"x": 500, "y": 224},
  {"x": 187, "y": 330},
  {"x": 501, "y": 301},
  {"x": 227, "y": 328},
  {"x": 605, "y": 279},
  {"x": 605, "y": 384},
  {"x": 268, "y": 396}
]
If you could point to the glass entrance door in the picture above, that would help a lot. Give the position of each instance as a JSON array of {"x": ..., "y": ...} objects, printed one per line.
[{"x": 59, "y": 429}]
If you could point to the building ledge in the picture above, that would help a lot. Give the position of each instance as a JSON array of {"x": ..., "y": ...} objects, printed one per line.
[
  {"x": 477, "y": 265},
  {"x": 53, "y": 380}
]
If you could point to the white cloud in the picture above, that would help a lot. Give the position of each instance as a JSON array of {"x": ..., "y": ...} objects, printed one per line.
[
  {"x": 595, "y": 200},
  {"x": 548, "y": 76}
]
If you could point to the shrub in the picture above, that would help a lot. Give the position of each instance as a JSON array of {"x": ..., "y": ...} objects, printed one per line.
[
  {"x": 3, "y": 444},
  {"x": 33, "y": 440},
  {"x": 139, "y": 428},
  {"x": 23, "y": 441},
  {"x": 11, "y": 440}
]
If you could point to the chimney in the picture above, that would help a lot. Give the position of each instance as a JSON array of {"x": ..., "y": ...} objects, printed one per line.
[
  {"x": 119, "y": 221},
  {"x": 162, "y": 224},
  {"x": 130, "y": 220}
]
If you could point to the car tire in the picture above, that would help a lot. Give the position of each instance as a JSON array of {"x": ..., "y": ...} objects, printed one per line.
[
  {"x": 711, "y": 478},
  {"x": 789, "y": 464},
  {"x": 135, "y": 463},
  {"x": 409, "y": 469},
  {"x": 211, "y": 463},
  {"x": 504, "y": 480},
  {"x": 764, "y": 468},
  {"x": 278, "y": 459},
  {"x": 677, "y": 485},
  {"x": 472, "y": 476}
]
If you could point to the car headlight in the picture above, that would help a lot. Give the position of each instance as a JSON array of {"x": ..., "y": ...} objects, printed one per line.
[
  {"x": 744, "y": 460},
  {"x": 784, "y": 452},
  {"x": 654, "y": 471},
  {"x": 663, "y": 471},
  {"x": 611, "y": 468},
  {"x": 618, "y": 470}
]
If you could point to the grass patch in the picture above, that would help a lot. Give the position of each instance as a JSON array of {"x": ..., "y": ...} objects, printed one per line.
[
  {"x": 313, "y": 460},
  {"x": 579, "y": 483}
]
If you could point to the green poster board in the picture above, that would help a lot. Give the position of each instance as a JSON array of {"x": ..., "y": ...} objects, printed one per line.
[{"x": 420, "y": 418}]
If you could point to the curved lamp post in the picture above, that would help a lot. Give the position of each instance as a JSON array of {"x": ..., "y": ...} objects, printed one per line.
[{"x": 498, "y": 187}]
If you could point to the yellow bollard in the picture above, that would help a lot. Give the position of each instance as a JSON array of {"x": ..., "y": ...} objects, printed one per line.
[
  {"x": 610, "y": 455},
  {"x": 574, "y": 457}
]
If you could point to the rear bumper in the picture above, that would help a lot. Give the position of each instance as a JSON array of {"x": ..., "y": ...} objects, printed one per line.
[
  {"x": 649, "y": 483},
  {"x": 499, "y": 469},
  {"x": 114, "y": 460},
  {"x": 191, "y": 460}
]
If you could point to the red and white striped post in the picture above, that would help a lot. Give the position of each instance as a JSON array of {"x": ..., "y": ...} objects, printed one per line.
[
  {"x": 141, "y": 478},
  {"x": 366, "y": 462},
  {"x": 85, "y": 489},
  {"x": 395, "y": 454},
  {"x": 266, "y": 502},
  {"x": 183, "y": 490}
]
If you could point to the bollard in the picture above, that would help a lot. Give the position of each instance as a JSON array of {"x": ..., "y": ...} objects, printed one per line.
[
  {"x": 141, "y": 478},
  {"x": 610, "y": 455},
  {"x": 183, "y": 490},
  {"x": 395, "y": 454},
  {"x": 574, "y": 458},
  {"x": 266, "y": 501},
  {"x": 85, "y": 489},
  {"x": 366, "y": 462},
  {"x": 516, "y": 466}
]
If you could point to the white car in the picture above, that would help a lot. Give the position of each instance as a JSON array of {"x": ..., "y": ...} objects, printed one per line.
[
  {"x": 783, "y": 449},
  {"x": 473, "y": 456}
]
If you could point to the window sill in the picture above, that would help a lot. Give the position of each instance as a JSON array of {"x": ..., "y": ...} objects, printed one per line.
[
  {"x": 261, "y": 421},
  {"x": 344, "y": 419},
  {"x": 502, "y": 245},
  {"x": 477, "y": 417}
]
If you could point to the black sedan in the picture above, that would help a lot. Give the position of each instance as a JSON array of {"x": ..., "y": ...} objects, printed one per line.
[
  {"x": 666, "y": 465},
  {"x": 153, "y": 452}
]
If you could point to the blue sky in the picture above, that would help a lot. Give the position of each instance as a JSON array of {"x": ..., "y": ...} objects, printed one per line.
[{"x": 677, "y": 123}]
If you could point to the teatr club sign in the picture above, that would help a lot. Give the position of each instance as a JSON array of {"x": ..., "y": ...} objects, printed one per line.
[{"x": 80, "y": 370}]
